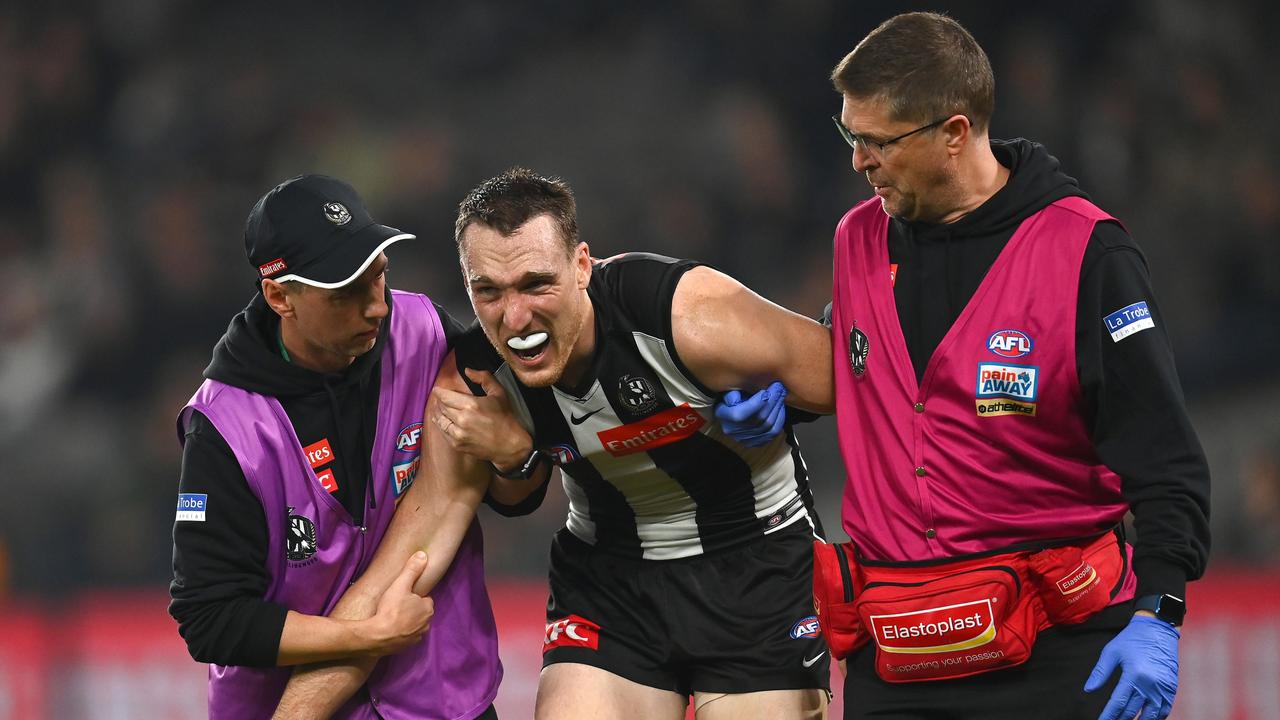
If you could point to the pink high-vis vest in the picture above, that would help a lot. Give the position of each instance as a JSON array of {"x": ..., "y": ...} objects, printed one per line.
[
  {"x": 990, "y": 449},
  {"x": 453, "y": 673}
]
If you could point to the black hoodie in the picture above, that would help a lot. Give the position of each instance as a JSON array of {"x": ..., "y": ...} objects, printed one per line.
[
  {"x": 219, "y": 565},
  {"x": 1133, "y": 402}
]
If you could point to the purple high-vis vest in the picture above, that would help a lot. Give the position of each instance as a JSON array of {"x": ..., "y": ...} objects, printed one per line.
[
  {"x": 315, "y": 550},
  {"x": 989, "y": 449}
]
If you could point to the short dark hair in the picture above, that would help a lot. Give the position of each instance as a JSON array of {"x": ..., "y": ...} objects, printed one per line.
[
  {"x": 508, "y": 201},
  {"x": 925, "y": 65}
]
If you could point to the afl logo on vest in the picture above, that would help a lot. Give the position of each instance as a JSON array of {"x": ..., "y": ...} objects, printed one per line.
[
  {"x": 404, "y": 469},
  {"x": 1010, "y": 343},
  {"x": 409, "y": 439},
  {"x": 859, "y": 348}
]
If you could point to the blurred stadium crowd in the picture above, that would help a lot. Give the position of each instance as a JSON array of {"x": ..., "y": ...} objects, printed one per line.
[{"x": 135, "y": 136}]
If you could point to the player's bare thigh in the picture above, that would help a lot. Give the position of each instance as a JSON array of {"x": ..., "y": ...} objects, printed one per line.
[
  {"x": 571, "y": 691},
  {"x": 808, "y": 704}
]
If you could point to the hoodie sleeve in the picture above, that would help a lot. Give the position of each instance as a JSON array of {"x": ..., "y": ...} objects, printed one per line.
[
  {"x": 219, "y": 564},
  {"x": 1138, "y": 417},
  {"x": 452, "y": 328},
  {"x": 526, "y": 506}
]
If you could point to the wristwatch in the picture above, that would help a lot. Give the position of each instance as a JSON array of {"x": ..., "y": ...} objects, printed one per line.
[
  {"x": 1168, "y": 608},
  {"x": 524, "y": 470}
]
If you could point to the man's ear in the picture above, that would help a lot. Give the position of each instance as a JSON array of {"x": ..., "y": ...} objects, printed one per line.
[
  {"x": 582, "y": 261},
  {"x": 957, "y": 132},
  {"x": 278, "y": 298}
]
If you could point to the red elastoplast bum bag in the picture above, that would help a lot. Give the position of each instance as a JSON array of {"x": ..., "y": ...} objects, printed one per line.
[
  {"x": 963, "y": 616},
  {"x": 834, "y": 572}
]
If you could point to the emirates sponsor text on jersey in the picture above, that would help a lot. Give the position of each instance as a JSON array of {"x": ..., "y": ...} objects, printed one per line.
[{"x": 664, "y": 428}]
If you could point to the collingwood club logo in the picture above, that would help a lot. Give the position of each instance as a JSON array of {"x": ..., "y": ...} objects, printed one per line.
[
  {"x": 336, "y": 213},
  {"x": 300, "y": 538},
  {"x": 859, "y": 347},
  {"x": 636, "y": 393}
]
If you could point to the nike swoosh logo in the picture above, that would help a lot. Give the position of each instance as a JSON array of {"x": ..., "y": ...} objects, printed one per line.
[
  {"x": 579, "y": 420},
  {"x": 816, "y": 658}
]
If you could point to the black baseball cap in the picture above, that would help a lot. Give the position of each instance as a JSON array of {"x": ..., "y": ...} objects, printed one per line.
[{"x": 316, "y": 230}]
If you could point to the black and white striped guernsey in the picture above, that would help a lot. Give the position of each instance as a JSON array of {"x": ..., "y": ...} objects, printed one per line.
[{"x": 647, "y": 470}]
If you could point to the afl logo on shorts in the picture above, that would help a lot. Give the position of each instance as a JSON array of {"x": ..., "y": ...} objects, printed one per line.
[
  {"x": 806, "y": 628},
  {"x": 1009, "y": 343},
  {"x": 859, "y": 348}
]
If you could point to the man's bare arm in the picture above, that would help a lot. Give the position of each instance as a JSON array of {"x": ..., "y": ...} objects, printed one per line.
[
  {"x": 730, "y": 337},
  {"x": 400, "y": 619},
  {"x": 433, "y": 516}
]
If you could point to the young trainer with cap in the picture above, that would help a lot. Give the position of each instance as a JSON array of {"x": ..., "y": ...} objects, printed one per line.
[{"x": 297, "y": 449}]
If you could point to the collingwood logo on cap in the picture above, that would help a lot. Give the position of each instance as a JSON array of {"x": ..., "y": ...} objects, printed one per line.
[{"x": 337, "y": 213}]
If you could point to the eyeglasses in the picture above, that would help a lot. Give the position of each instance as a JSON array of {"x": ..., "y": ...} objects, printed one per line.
[{"x": 877, "y": 149}]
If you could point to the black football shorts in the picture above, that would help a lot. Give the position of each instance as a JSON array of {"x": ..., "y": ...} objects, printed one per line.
[{"x": 735, "y": 621}]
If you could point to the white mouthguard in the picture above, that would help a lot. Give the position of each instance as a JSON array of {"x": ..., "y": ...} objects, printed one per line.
[{"x": 527, "y": 343}]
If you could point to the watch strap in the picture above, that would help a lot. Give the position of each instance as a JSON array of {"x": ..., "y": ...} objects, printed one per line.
[
  {"x": 524, "y": 470},
  {"x": 1166, "y": 607}
]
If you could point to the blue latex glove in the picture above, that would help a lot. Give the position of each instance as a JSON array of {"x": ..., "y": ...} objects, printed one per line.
[
  {"x": 1146, "y": 652},
  {"x": 756, "y": 420}
]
